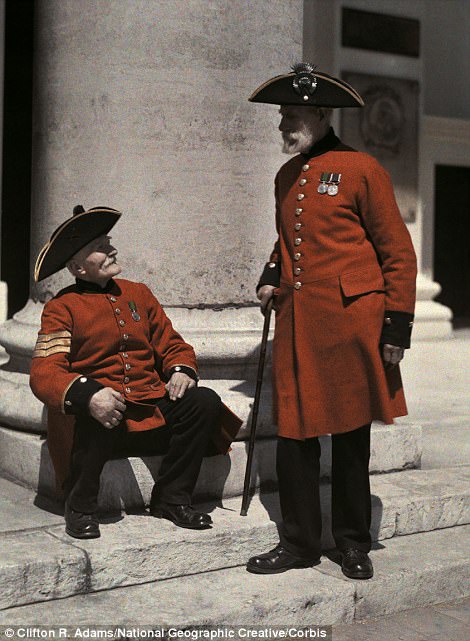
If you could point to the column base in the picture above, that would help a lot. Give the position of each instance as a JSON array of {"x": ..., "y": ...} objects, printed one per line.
[{"x": 433, "y": 321}]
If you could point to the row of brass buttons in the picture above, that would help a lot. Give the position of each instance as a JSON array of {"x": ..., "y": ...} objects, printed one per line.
[{"x": 298, "y": 226}]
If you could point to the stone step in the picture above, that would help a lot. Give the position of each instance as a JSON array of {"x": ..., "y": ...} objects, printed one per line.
[
  {"x": 410, "y": 572},
  {"x": 46, "y": 564},
  {"x": 128, "y": 482}
]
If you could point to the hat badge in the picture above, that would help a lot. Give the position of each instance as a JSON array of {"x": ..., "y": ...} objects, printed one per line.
[{"x": 304, "y": 82}]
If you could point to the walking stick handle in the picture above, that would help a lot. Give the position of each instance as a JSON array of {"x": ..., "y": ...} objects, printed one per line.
[{"x": 254, "y": 416}]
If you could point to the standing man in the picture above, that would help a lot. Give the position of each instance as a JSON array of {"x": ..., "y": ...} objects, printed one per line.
[
  {"x": 108, "y": 357},
  {"x": 342, "y": 278}
]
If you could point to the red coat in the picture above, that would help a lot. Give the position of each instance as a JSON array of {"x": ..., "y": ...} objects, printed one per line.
[
  {"x": 119, "y": 338},
  {"x": 342, "y": 263}
]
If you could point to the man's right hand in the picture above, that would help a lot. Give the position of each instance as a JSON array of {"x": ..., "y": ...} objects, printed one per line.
[
  {"x": 265, "y": 293},
  {"x": 107, "y": 407}
]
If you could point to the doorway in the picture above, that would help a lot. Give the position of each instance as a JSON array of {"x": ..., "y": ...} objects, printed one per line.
[
  {"x": 17, "y": 135},
  {"x": 452, "y": 240}
]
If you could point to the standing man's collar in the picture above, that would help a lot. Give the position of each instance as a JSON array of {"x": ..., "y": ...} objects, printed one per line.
[
  {"x": 327, "y": 143},
  {"x": 93, "y": 288}
]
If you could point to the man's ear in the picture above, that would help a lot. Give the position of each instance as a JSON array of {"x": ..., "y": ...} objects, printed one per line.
[{"x": 75, "y": 269}]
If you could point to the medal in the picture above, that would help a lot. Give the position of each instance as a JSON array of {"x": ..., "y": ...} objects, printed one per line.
[
  {"x": 329, "y": 183},
  {"x": 323, "y": 186},
  {"x": 133, "y": 308},
  {"x": 332, "y": 190}
]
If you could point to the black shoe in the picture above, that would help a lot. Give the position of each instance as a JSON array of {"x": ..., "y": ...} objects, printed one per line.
[
  {"x": 356, "y": 564},
  {"x": 278, "y": 560},
  {"x": 80, "y": 525},
  {"x": 181, "y": 515}
]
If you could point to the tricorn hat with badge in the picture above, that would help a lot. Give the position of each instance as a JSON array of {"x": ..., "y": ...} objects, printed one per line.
[
  {"x": 73, "y": 235},
  {"x": 306, "y": 86}
]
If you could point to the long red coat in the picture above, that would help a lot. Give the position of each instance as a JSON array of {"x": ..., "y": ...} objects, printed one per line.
[
  {"x": 119, "y": 337},
  {"x": 344, "y": 260}
]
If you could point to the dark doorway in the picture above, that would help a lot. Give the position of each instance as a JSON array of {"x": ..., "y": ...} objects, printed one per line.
[
  {"x": 17, "y": 130},
  {"x": 452, "y": 240}
]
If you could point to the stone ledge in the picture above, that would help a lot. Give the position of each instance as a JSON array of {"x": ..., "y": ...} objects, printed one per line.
[
  {"x": 409, "y": 572},
  {"x": 128, "y": 482},
  {"x": 140, "y": 549}
]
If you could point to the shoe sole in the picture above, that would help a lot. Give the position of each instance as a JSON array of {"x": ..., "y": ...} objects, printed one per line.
[
  {"x": 87, "y": 535},
  {"x": 360, "y": 577},
  {"x": 160, "y": 515},
  {"x": 298, "y": 566}
]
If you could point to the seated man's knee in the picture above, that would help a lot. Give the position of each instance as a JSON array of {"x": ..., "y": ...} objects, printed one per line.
[{"x": 206, "y": 399}]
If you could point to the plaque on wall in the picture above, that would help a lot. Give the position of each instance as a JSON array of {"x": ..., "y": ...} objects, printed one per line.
[
  {"x": 387, "y": 128},
  {"x": 379, "y": 32}
]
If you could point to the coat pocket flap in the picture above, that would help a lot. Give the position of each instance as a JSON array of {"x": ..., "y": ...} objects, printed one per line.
[{"x": 362, "y": 281}]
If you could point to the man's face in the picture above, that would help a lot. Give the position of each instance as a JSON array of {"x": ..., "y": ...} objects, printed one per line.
[
  {"x": 301, "y": 127},
  {"x": 96, "y": 262}
]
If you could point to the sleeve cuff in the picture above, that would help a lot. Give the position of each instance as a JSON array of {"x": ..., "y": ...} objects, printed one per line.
[
  {"x": 271, "y": 275},
  {"x": 189, "y": 371},
  {"x": 78, "y": 395},
  {"x": 397, "y": 329}
]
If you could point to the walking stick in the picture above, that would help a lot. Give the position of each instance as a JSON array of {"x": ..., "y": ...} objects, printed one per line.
[{"x": 254, "y": 416}]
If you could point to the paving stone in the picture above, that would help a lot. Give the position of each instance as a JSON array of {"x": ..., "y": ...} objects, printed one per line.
[
  {"x": 320, "y": 595},
  {"x": 460, "y": 610},
  {"x": 229, "y": 597},
  {"x": 412, "y": 571},
  {"x": 35, "y": 566},
  {"x": 19, "y": 511}
]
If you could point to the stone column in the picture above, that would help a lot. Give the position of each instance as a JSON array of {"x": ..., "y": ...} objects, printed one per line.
[{"x": 142, "y": 106}]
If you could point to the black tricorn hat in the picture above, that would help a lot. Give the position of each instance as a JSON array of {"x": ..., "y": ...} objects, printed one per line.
[
  {"x": 71, "y": 236},
  {"x": 305, "y": 86}
]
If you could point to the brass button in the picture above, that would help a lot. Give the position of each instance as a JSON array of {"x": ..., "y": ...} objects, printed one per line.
[
  {"x": 68, "y": 402},
  {"x": 298, "y": 211},
  {"x": 128, "y": 366},
  {"x": 83, "y": 379},
  {"x": 305, "y": 167},
  {"x": 298, "y": 285},
  {"x": 388, "y": 320},
  {"x": 272, "y": 265},
  {"x": 128, "y": 390},
  {"x": 112, "y": 299},
  {"x": 297, "y": 256},
  {"x": 122, "y": 323},
  {"x": 297, "y": 271},
  {"x": 297, "y": 241},
  {"x": 300, "y": 196},
  {"x": 302, "y": 182},
  {"x": 126, "y": 379},
  {"x": 117, "y": 310},
  {"x": 297, "y": 226},
  {"x": 125, "y": 336}
]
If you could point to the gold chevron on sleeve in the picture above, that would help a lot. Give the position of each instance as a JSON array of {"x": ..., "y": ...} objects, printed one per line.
[{"x": 48, "y": 344}]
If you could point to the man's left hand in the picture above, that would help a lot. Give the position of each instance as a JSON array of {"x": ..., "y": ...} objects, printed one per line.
[
  {"x": 392, "y": 355},
  {"x": 178, "y": 384}
]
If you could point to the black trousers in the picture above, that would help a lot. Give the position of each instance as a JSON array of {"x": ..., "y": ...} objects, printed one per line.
[
  {"x": 298, "y": 470},
  {"x": 190, "y": 422}
]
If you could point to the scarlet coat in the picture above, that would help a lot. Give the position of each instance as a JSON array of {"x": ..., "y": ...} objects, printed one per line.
[
  {"x": 345, "y": 272},
  {"x": 116, "y": 337}
]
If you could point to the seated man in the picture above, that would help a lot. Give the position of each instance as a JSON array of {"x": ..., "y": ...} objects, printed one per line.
[{"x": 104, "y": 352}]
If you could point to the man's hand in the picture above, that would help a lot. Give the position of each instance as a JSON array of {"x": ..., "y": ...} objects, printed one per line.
[
  {"x": 107, "y": 407},
  {"x": 391, "y": 355},
  {"x": 178, "y": 384},
  {"x": 265, "y": 293}
]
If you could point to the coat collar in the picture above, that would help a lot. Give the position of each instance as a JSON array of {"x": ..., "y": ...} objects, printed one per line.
[
  {"x": 86, "y": 287},
  {"x": 330, "y": 142}
]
